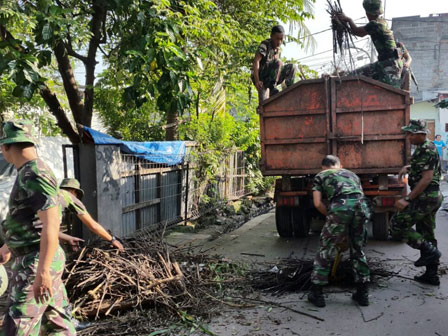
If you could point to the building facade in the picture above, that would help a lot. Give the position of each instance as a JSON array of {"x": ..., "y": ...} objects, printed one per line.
[{"x": 426, "y": 38}]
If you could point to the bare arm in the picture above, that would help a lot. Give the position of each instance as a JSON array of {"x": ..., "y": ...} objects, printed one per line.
[
  {"x": 317, "y": 200},
  {"x": 358, "y": 31},
  {"x": 256, "y": 70},
  {"x": 408, "y": 59},
  {"x": 5, "y": 254},
  {"x": 98, "y": 229},
  {"x": 72, "y": 241},
  {"x": 49, "y": 243}
]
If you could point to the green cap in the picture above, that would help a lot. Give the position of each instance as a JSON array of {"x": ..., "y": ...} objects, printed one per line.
[
  {"x": 416, "y": 126},
  {"x": 373, "y": 7},
  {"x": 18, "y": 131},
  {"x": 72, "y": 183}
]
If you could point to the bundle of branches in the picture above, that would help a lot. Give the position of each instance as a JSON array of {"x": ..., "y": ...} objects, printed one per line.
[
  {"x": 341, "y": 30},
  {"x": 291, "y": 275},
  {"x": 100, "y": 281}
]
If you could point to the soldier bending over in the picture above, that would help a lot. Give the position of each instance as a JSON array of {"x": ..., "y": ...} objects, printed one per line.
[{"x": 346, "y": 222}]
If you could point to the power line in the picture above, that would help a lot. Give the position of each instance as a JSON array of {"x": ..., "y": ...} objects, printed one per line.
[
  {"x": 323, "y": 52},
  {"x": 323, "y": 31}
]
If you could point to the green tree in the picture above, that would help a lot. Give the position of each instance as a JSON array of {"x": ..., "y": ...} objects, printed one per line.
[{"x": 167, "y": 52}]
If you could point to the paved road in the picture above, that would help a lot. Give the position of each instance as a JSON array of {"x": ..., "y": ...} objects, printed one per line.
[{"x": 398, "y": 306}]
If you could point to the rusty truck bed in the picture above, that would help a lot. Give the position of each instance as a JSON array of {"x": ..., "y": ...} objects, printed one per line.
[{"x": 356, "y": 118}]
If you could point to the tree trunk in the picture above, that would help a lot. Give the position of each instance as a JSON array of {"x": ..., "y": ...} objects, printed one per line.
[{"x": 171, "y": 127}]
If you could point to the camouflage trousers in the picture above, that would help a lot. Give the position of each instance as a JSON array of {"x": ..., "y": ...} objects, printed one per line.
[
  {"x": 387, "y": 71},
  {"x": 268, "y": 75},
  {"x": 421, "y": 212},
  {"x": 27, "y": 317},
  {"x": 345, "y": 225}
]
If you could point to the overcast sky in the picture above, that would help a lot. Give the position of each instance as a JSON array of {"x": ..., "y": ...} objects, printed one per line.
[{"x": 354, "y": 9}]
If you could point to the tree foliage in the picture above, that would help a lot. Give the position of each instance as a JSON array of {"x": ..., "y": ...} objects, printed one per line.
[{"x": 165, "y": 55}]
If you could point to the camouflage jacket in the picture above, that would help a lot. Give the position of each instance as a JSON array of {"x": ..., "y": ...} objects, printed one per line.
[
  {"x": 35, "y": 189},
  {"x": 425, "y": 157},
  {"x": 268, "y": 52},
  {"x": 333, "y": 183},
  {"x": 382, "y": 38},
  {"x": 70, "y": 205}
]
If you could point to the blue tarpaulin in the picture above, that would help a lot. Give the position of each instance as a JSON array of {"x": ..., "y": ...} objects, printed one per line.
[{"x": 167, "y": 152}]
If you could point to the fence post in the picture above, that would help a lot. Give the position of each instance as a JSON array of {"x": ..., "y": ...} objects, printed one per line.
[{"x": 187, "y": 184}]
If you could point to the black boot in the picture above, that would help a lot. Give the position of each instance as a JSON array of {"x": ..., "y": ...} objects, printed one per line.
[
  {"x": 430, "y": 276},
  {"x": 429, "y": 254},
  {"x": 316, "y": 297},
  {"x": 362, "y": 294}
]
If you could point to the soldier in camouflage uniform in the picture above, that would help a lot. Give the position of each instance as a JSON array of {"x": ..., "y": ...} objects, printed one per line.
[
  {"x": 30, "y": 232},
  {"x": 389, "y": 65},
  {"x": 420, "y": 206},
  {"x": 267, "y": 70},
  {"x": 70, "y": 195},
  {"x": 346, "y": 225},
  {"x": 406, "y": 73}
]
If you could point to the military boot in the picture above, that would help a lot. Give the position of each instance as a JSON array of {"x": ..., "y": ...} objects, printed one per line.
[
  {"x": 316, "y": 297},
  {"x": 362, "y": 294},
  {"x": 430, "y": 276},
  {"x": 429, "y": 254}
]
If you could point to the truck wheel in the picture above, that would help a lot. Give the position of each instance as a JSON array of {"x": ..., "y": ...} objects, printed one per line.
[
  {"x": 301, "y": 222},
  {"x": 380, "y": 225},
  {"x": 283, "y": 221}
]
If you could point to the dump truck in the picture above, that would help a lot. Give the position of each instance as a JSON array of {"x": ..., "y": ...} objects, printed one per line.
[{"x": 357, "y": 119}]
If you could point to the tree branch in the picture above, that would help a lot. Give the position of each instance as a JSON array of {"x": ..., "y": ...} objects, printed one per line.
[
  {"x": 50, "y": 98},
  {"x": 69, "y": 81},
  {"x": 71, "y": 52},
  {"x": 56, "y": 109},
  {"x": 96, "y": 24}
]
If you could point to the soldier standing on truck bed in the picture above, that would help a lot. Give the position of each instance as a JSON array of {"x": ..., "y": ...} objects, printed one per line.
[
  {"x": 420, "y": 206},
  {"x": 268, "y": 70},
  {"x": 346, "y": 225},
  {"x": 389, "y": 65}
]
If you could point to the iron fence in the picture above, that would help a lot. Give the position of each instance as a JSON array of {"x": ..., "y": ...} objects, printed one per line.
[{"x": 155, "y": 195}]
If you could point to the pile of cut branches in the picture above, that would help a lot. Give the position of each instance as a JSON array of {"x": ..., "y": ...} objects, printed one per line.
[
  {"x": 291, "y": 275},
  {"x": 101, "y": 281}
]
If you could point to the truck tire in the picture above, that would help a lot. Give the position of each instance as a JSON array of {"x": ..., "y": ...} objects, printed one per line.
[
  {"x": 380, "y": 225},
  {"x": 283, "y": 221},
  {"x": 301, "y": 222}
]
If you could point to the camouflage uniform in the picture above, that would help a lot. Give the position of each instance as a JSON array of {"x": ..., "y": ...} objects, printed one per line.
[
  {"x": 346, "y": 223},
  {"x": 388, "y": 67},
  {"x": 270, "y": 65},
  {"x": 35, "y": 190},
  {"x": 421, "y": 211},
  {"x": 70, "y": 205}
]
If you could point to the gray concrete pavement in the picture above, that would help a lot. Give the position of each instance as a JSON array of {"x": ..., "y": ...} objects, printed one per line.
[{"x": 398, "y": 306}]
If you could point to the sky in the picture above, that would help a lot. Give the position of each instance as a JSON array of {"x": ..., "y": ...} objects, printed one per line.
[{"x": 319, "y": 58}]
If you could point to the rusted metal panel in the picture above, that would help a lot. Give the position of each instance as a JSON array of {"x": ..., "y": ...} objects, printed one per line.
[{"x": 358, "y": 119}]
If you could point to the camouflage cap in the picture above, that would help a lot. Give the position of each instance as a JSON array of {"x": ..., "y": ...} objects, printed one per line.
[
  {"x": 18, "y": 131},
  {"x": 373, "y": 7},
  {"x": 72, "y": 183},
  {"x": 416, "y": 126}
]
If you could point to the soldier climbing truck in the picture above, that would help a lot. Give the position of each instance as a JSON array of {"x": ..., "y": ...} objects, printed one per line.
[{"x": 357, "y": 119}]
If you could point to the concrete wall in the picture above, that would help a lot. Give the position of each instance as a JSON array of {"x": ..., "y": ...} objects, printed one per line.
[
  {"x": 426, "y": 38},
  {"x": 100, "y": 180}
]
